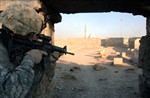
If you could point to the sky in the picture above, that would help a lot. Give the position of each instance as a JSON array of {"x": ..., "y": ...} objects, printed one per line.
[{"x": 102, "y": 25}]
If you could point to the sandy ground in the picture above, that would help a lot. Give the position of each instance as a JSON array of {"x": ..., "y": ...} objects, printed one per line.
[{"x": 87, "y": 75}]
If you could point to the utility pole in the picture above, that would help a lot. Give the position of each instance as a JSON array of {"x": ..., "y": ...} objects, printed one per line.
[
  {"x": 85, "y": 31},
  {"x": 121, "y": 27}
]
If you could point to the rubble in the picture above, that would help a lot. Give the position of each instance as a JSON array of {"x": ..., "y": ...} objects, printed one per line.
[
  {"x": 129, "y": 70},
  {"x": 98, "y": 67},
  {"x": 75, "y": 68},
  {"x": 68, "y": 76}
]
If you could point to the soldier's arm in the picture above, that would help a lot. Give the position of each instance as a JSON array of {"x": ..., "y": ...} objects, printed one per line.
[{"x": 18, "y": 81}]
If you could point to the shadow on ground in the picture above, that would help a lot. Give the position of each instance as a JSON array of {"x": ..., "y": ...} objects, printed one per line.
[{"x": 87, "y": 75}]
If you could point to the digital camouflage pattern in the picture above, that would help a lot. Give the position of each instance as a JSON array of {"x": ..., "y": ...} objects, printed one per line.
[
  {"x": 15, "y": 82},
  {"x": 41, "y": 83},
  {"x": 21, "y": 19}
]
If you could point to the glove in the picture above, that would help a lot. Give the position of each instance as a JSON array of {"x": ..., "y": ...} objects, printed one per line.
[
  {"x": 36, "y": 55},
  {"x": 55, "y": 56}
]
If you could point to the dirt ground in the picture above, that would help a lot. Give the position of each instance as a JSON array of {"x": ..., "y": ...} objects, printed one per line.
[{"x": 87, "y": 75}]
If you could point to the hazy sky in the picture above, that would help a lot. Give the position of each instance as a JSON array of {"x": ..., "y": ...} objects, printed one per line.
[{"x": 101, "y": 25}]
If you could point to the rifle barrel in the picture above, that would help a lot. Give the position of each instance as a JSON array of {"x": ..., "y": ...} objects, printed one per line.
[{"x": 70, "y": 53}]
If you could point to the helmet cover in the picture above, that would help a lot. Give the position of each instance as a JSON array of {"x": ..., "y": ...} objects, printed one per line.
[{"x": 21, "y": 19}]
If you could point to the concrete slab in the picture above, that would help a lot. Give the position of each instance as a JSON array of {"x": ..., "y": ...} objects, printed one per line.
[
  {"x": 118, "y": 61},
  {"x": 124, "y": 54}
]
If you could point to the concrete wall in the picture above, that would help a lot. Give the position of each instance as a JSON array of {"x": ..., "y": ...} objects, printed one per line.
[
  {"x": 135, "y": 56},
  {"x": 137, "y": 44},
  {"x": 134, "y": 46},
  {"x": 103, "y": 42},
  {"x": 78, "y": 43},
  {"x": 132, "y": 42},
  {"x": 126, "y": 42},
  {"x": 113, "y": 42}
]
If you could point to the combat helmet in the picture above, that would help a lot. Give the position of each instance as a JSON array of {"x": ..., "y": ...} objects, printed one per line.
[{"x": 21, "y": 19}]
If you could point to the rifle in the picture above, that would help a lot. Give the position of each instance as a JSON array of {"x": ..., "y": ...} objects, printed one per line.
[{"x": 17, "y": 47}]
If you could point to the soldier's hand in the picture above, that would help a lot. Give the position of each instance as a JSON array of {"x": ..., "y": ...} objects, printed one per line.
[
  {"x": 55, "y": 56},
  {"x": 36, "y": 54}
]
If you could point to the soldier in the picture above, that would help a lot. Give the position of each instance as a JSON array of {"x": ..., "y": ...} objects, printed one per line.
[{"x": 19, "y": 81}]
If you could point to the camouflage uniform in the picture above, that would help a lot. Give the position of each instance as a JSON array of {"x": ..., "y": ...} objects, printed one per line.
[
  {"x": 24, "y": 81},
  {"x": 19, "y": 81},
  {"x": 15, "y": 82}
]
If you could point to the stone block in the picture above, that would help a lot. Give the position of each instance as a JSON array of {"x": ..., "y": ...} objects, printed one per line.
[
  {"x": 102, "y": 52},
  {"x": 118, "y": 61},
  {"x": 124, "y": 54},
  {"x": 117, "y": 53},
  {"x": 132, "y": 50}
]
